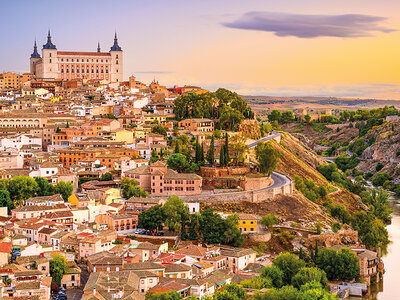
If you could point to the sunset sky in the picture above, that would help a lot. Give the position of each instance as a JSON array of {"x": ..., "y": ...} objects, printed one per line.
[{"x": 258, "y": 47}]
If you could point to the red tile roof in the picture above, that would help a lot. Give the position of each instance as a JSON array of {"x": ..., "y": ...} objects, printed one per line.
[{"x": 5, "y": 247}]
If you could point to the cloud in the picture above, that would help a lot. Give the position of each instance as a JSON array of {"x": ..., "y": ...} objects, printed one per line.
[{"x": 311, "y": 26}]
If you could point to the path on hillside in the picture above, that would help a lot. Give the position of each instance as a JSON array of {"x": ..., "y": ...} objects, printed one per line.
[{"x": 265, "y": 139}]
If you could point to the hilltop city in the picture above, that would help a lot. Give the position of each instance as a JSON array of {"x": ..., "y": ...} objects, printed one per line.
[{"x": 120, "y": 189}]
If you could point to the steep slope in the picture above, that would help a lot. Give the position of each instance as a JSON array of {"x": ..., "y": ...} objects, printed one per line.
[
  {"x": 385, "y": 149},
  {"x": 296, "y": 159},
  {"x": 294, "y": 207}
]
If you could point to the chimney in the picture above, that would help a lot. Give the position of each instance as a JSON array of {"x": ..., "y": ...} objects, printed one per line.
[{"x": 94, "y": 291}]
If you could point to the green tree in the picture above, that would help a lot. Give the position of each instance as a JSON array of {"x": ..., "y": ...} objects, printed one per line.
[
  {"x": 64, "y": 188},
  {"x": 5, "y": 200},
  {"x": 222, "y": 161},
  {"x": 274, "y": 273},
  {"x": 226, "y": 149},
  {"x": 202, "y": 159},
  {"x": 267, "y": 157},
  {"x": 106, "y": 177},
  {"x": 178, "y": 162},
  {"x": 195, "y": 226},
  {"x": 371, "y": 230},
  {"x": 239, "y": 149},
  {"x": 152, "y": 218},
  {"x": 177, "y": 149},
  {"x": 231, "y": 291},
  {"x": 45, "y": 188},
  {"x": 306, "y": 275},
  {"x": 160, "y": 130},
  {"x": 211, "y": 152},
  {"x": 130, "y": 188},
  {"x": 176, "y": 214},
  {"x": 286, "y": 117},
  {"x": 289, "y": 265},
  {"x": 199, "y": 156},
  {"x": 174, "y": 295},
  {"x": 232, "y": 233},
  {"x": 339, "y": 265},
  {"x": 58, "y": 267},
  {"x": 154, "y": 156},
  {"x": 307, "y": 117},
  {"x": 213, "y": 227},
  {"x": 269, "y": 220},
  {"x": 257, "y": 283},
  {"x": 22, "y": 188},
  {"x": 380, "y": 205},
  {"x": 275, "y": 115}
]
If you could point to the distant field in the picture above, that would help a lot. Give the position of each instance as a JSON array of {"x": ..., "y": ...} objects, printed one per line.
[{"x": 315, "y": 103}]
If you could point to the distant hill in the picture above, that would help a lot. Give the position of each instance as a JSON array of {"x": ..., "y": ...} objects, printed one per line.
[{"x": 270, "y": 102}]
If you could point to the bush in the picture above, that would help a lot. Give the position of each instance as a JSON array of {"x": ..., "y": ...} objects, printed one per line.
[
  {"x": 380, "y": 178},
  {"x": 309, "y": 189},
  {"x": 338, "y": 265},
  {"x": 379, "y": 167},
  {"x": 336, "y": 227}
]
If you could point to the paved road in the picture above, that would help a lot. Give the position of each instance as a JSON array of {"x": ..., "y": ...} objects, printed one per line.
[
  {"x": 264, "y": 139},
  {"x": 279, "y": 180}
]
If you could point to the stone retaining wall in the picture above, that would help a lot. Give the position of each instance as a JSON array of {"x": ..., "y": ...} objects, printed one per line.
[{"x": 259, "y": 195}]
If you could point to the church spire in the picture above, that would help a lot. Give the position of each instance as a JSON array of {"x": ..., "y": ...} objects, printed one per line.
[
  {"x": 115, "y": 47},
  {"x": 35, "y": 53},
  {"x": 49, "y": 44},
  {"x": 98, "y": 47}
]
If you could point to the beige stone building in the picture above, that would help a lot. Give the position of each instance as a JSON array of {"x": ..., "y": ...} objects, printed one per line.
[{"x": 71, "y": 65}]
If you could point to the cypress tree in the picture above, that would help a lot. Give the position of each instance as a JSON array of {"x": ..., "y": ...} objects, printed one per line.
[
  {"x": 202, "y": 154},
  {"x": 301, "y": 253},
  {"x": 176, "y": 147},
  {"x": 222, "y": 155},
  {"x": 226, "y": 149},
  {"x": 197, "y": 152},
  {"x": 210, "y": 152},
  {"x": 316, "y": 250}
]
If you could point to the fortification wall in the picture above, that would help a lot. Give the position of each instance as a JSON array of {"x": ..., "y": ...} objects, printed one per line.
[{"x": 258, "y": 195}]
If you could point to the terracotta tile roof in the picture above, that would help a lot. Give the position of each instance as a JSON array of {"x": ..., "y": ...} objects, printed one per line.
[
  {"x": 5, "y": 247},
  {"x": 193, "y": 250},
  {"x": 247, "y": 217},
  {"x": 173, "y": 268},
  {"x": 143, "y": 266},
  {"x": 104, "y": 258}
]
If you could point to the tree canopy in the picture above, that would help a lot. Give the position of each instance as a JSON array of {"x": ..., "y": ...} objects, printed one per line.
[
  {"x": 130, "y": 188},
  {"x": 338, "y": 265},
  {"x": 58, "y": 267},
  {"x": 267, "y": 157}
]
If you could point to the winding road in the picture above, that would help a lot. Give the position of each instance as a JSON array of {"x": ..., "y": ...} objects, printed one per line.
[{"x": 264, "y": 139}]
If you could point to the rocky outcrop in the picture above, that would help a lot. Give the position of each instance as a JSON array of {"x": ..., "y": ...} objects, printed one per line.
[
  {"x": 387, "y": 143},
  {"x": 250, "y": 129}
]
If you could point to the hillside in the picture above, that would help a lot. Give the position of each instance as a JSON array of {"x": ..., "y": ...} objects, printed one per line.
[
  {"x": 385, "y": 149},
  {"x": 260, "y": 103},
  {"x": 293, "y": 207},
  {"x": 296, "y": 159},
  {"x": 321, "y": 140}
]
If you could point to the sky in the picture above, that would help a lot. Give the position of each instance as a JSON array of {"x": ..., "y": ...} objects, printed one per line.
[{"x": 342, "y": 48}]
